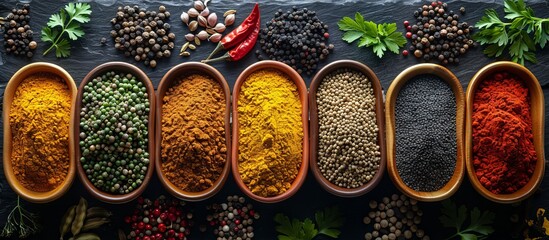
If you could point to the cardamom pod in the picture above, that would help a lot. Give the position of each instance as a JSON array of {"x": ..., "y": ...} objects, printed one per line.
[
  {"x": 202, "y": 21},
  {"x": 197, "y": 41},
  {"x": 210, "y": 31},
  {"x": 97, "y": 212},
  {"x": 232, "y": 11},
  {"x": 80, "y": 215},
  {"x": 94, "y": 223},
  {"x": 192, "y": 47},
  {"x": 185, "y": 54},
  {"x": 87, "y": 236},
  {"x": 66, "y": 221},
  {"x": 184, "y": 47},
  {"x": 193, "y": 25}
]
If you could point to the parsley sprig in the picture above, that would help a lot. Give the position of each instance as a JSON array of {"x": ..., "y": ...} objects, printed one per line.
[
  {"x": 514, "y": 36},
  {"x": 479, "y": 225},
  {"x": 380, "y": 37},
  {"x": 327, "y": 223},
  {"x": 66, "y": 23}
]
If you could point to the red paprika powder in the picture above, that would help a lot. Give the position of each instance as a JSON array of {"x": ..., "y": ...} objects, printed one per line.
[{"x": 504, "y": 156}]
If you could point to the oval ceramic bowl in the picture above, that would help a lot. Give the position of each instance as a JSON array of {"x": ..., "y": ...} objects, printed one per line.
[
  {"x": 303, "y": 96},
  {"x": 380, "y": 119},
  {"x": 120, "y": 67},
  {"x": 392, "y": 93},
  {"x": 538, "y": 113},
  {"x": 16, "y": 79},
  {"x": 166, "y": 83}
]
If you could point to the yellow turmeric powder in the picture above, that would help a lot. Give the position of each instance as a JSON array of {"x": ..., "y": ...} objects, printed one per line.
[
  {"x": 271, "y": 132},
  {"x": 39, "y": 121}
]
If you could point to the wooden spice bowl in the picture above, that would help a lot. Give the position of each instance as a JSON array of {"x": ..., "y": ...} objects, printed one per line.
[
  {"x": 392, "y": 93},
  {"x": 538, "y": 122},
  {"x": 118, "y": 67},
  {"x": 172, "y": 76},
  {"x": 314, "y": 126},
  {"x": 13, "y": 84},
  {"x": 303, "y": 96}
]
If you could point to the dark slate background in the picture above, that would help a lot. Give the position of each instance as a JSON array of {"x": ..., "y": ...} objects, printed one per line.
[{"x": 88, "y": 53}]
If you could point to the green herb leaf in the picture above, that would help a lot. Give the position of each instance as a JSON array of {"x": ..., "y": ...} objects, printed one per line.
[
  {"x": 63, "y": 48},
  {"x": 292, "y": 230},
  {"x": 67, "y": 21},
  {"x": 328, "y": 221},
  {"x": 454, "y": 217},
  {"x": 380, "y": 37},
  {"x": 480, "y": 222},
  {"x": 519, "y": 37},
  {"x": 309, "y": 229}
]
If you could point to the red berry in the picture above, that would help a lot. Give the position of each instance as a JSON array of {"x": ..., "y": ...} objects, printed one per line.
[
  {"x": 163, "y": 216},
  {"x": 409, "y": 28},
  {"x": 161, "y": 227},
  {"x": 148, "y": 227},
  {"x": 156, "y": 212},
  {"x": 406, "y": 23},
  {"x": 127, "y": 219},
  {"x": 326, "y": 35},
  {"x": 171, "y": 232},
  {"x": 146, "y": 238},
  {"x": 181, "y": 235},
  {"x": 236, "y": 221},
  {"x": 405, "y": 53},
  {"x": 141, "y": 225},
  {"x": 434, "y": 4},
  {"x": 408, "y": 34}
]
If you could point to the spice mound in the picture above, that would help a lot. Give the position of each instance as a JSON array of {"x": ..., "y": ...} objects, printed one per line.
[
  {"x": 114, "y": 132},
  {"x": 425, "y": 125},
  {"x": 348, "y": 154},
  {"x": 39, "y": 120},
  {"x": 504, "y": 156},
  {"x": 194, "y": 150},
  {"x": 271, "y": 132}
]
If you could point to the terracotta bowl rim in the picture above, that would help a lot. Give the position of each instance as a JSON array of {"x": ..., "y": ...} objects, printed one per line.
[
  {"x": 141, "y": 76},
  {"x": 173, "y": 75},
  {"x": 392, "y": 93},
  {"x": 534, "y": 88},
  {"x": 11, "y": 87},
  {"x": 302, "y": 88},
  {"x": 380, "y": 119}
]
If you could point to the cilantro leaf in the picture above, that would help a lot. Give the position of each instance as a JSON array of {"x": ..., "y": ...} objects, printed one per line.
[
  {"x": 518, "y": 38},
  {"x": 381, "y": 37},
  {"x": 328, "y": 221},
  {"x": 65, "y": 24},
  {"x": 455, "y": 217}
]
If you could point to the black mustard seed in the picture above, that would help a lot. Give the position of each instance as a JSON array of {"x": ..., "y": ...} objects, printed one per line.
[{"x": 425, "y": 119}]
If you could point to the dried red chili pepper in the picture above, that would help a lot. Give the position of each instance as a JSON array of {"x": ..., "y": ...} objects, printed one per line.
[
  {"x": 240, "y": 33},
  {"x": 242, "y": 49}
]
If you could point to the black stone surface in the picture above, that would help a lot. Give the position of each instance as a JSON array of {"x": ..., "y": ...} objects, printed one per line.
[{"x": 88, "y": 53}]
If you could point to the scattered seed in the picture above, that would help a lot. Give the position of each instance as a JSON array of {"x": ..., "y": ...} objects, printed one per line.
[
  {"x": 197, "y": 41},
  {"x": 185, "y": 54},
  {"x": 192, "y": 47},
  {"x": 229, "y": 12},
  {"x": 190, "y": 37},
  {"x": 184, "y": 47}
]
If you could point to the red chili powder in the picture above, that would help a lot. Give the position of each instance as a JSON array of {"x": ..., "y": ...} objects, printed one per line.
[{"x": 503, "y": 151}]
